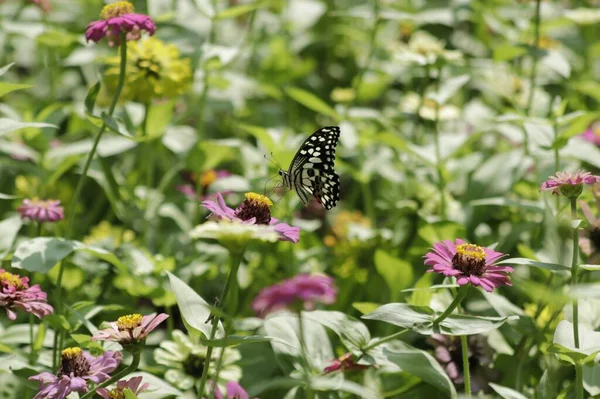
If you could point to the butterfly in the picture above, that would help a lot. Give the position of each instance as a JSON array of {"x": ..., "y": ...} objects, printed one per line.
[{"x": 312, "y": 169}]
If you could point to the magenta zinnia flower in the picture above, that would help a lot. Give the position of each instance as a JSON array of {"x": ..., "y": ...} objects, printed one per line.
[
  {"x": 76, "y": 369},
  {"x": 15, "y": 293},
  {"x": 234, "y": 391},
  {"x": 592, "y": 134},
  {"x": 116, "y": 18},
  {"x": 469, "y": 263},
  {"x": 132, "y": 384},
  {"x": 130, "y": 329},
  {"x": 569, "y": 184},
  {"x": 344, "y": 363},
  {"x": 41, "y": 210},
  {"x": 255, "y": 210},
  {"x": 302, "y": 288}
]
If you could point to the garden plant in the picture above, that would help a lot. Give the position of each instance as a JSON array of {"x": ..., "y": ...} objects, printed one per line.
[{"x": 314, "y": 199}]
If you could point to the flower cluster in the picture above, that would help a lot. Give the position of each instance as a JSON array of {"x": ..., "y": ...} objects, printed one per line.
[
  {"x": 15, "y": 293},
  {"x": 303, "y": 288}
]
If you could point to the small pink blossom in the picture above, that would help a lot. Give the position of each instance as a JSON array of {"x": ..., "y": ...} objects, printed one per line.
[
  {"x": 569, "y": 184},
  {"x": 344, "y": 363},
  {"x": 592, "y": 133},
  {"x": 15, "y": 293},
  {"x": 234, "y": 391},
  {"x": 41, "y": 210},
  {"x": 76, "y": 369},
  {"x": 133, "y": 384},
  {"x": 305, "y": 288},
  {"x": 130, "y": 329},
  {"x": 469, "y": 263},
  {"x": 116, "y": 18}
]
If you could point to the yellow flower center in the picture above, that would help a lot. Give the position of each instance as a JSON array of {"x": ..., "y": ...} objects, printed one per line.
[
  {"x": 12, "y": 279},
  {"x": 129, "y": 322},
  {"x": 115, "y": 394},
  {"x": 470, "y": 259},
  {"x": 71, "y": 353},
  {"x": 208, "y": 178},
  {"x": 116, "y": 10},
  {"x": 261, "y": 199}
]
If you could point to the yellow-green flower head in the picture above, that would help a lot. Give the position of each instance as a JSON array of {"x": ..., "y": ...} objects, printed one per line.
[{"x": 155, "y": 69}]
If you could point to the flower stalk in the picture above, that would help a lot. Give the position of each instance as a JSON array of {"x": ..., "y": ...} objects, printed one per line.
[
  {"x": 574, "y": 269},
  {"x": 465, "y": 358},
  {"x": 235, "y": 259},
  {"x": 462, "y": 293},
  {"x": 535, "y": 58},
  {"x": 309, "y": 393}
]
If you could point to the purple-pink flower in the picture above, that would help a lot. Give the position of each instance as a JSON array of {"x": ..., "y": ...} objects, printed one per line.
[
  {"x": 592, "y": 133},
  {"x": 116, "y": 18},
  {"x": 130, "y": 329},
  {"x": 303, "y": 288},
  {"x": 234, "y": 391},
  {"x": 41, "y": 210},
  {"x": 15, "y": 293},
  {"x": 255, "y": 210},
  {"x": 569, "y": 184},
  {"x": 469, "y": 263},
  {"x": 344, "y": 363},
  {"x": 76, "y": 369},
  {"x": 133, "y": 384}
]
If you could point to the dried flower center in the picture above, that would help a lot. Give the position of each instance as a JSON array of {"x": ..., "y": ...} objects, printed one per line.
[
  {"x": 208, "y": 178},
  {"x": 73, "y": 362},
  {"x": 13, "y": 280},
  {"x": 255, "y": 206},
  {"x": 129, "y": 322},
  {"x": 469, "y": 259},
  {"x": 194, "y": 365},
  {"x": 116, "y": 10}
]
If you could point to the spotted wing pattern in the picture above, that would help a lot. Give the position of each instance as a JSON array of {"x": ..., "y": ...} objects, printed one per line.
[{"x": 312, "y": 169}]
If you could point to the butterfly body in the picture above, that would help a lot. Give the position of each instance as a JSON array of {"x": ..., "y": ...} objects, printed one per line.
[{"x": 311, "y": 171}]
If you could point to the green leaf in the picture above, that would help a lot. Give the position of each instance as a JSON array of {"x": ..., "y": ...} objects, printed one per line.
[
  {"x": 311, "y": 101},
  {"x": 235, "y": 340},
  {"x": 449, "y": 88},
  {"x": 8, "y": 125},
  {"x": 553, "y": 267},
  {"x": 6, "y": 88},
  {"x": 564, "y": 343},
  {"x": 159, "y": 117},
  {"x": 10, "y": 228},
  {"x": 260, "y": 134},
  {"x": 506, "y": 392},
  {"x": 90, "y": 98},
  {"x": 159, "y": 388},
  {"x": 5, "y": 68},
  {"x": 507, "y": 52},
  {"x": 41, "y": 253},
  {"x": 397, "y": 273},
  {"x": 422, "y": 293},
  {"x": 128, "y": 394},
  {"x": 194, "y": 310},
  {"x": 352, "y": 332},
  {"x": 336, "y": 385},
  {"x": 421, "y": 320},
  {"x": 239, "y": 10},
  {"x": 365, "y": 307},
  {"x": 421, "y": 364},
  {"x": 591, "y": 379},
  {"x": 501, "y": 201}
]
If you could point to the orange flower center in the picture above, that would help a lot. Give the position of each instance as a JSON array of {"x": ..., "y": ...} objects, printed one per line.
[
  {"x": 12, "y": 280},
  {"x": 129, "y": 322},
  {"x": 116, "y": 10},
  {"x": 208, "y": 178},
  {"x": 469, "y": 259}
]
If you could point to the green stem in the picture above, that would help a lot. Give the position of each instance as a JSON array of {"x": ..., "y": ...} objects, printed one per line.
[
  {"x": 31, "y": 341},
  {"x": 579, "y": 381},
  {"x": 462, "y": 293},
  {"x": 535, "y": 57},
  {"x": 309, "y": 392},
  {"x": 383, "y": 340},
  {"x": 574, "y": 267},
  {"x": 126, "y": 371},
  {"x": 235, "y": 258},
  {"x": 465, "y": 358},
  {"x": 82, "y": 178},
  {"x": 440, "y": 183}
]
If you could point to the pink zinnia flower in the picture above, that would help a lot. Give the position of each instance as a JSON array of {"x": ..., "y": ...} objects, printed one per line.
[
  {"x": 304, "y": 288},
  {"x": 130, "y": 329},
  {"x": 469, "y": 263},
  {"x": 132, "y": 384},
  {"x": 592, "y": 134},
  {"x": 255, "y": 210},
  {"x": 569, "y": 184},
  {"x": 344, "y": 363},
  {"x": 234, "y": 391},
  {"x": 76, "y": 369},
  {"x": 15, "y": 293},
  {"x": 41, "y": 210},
  {"x": 116, "y": 18}
]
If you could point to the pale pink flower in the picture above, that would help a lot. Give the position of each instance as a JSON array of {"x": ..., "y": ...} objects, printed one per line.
[
  {"x": 130, "y": 329},
  {"x": 344, "y": 363},
  {"x": 303, "y": 288},
  {"x": 15, "y": 293},
  {"x": 76, "y": 369},
  {"x": 41, "y": 210},
  {"x": 569, "y": 184},
  {"x": 133, "y": 384},
  {"x": 234, "y": 391},
  {"x": 592, "y": 133},
  {"x": 469, "y": 263},
  {"x": 116, "y": 18}
]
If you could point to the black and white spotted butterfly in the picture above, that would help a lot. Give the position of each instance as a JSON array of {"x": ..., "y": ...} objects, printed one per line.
[{"x": 312, "y": 169}]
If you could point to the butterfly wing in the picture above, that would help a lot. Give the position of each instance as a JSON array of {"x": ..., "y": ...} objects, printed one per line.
[{"x": 312, "y": 169}]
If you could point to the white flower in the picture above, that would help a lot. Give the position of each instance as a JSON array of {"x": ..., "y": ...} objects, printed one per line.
[{"x": 425, "y": 49}]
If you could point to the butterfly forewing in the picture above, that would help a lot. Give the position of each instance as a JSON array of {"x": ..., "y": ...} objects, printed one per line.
[{"x": 312, "y": 169}]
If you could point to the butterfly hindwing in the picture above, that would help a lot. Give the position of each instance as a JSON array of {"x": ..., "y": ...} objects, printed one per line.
[{"x": 312, "y": 169}]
